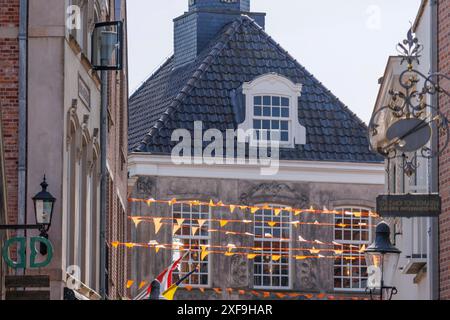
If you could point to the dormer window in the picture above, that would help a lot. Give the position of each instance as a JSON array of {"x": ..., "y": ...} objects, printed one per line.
[
  {"x": 272, "y": 110},
  {"x": 271, "y": 114}
]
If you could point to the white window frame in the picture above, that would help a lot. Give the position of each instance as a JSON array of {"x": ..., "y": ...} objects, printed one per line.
[
  {"x": 271, "y": 240},
  {"x": 358, "y": 243},
  {"x": 273, "y": 84},
  {"x": 196, "y": 237}
]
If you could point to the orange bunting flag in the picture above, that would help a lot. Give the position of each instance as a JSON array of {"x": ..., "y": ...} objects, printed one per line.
[
  {"x": 188, "y": 288},
  {"x": 204, "y": 253},
  {"x": 142, "y": 284},
  {"x": 363, "y": 249},
  {"x": 255, "y": 293},
  {"x": 272, "y": 224},
  {"x": 243, "y": 207},
  {"x": 129, "y": 283},
  {"x": 266, "y": 294},
  {"x": 180, "y": 222},
  {"x": 276, "y": 258},
  {"x": 309, "y": 296},
  {"x": 157, "y": 248},
  {"x": 194, "y": 230},
  {"x": 301, "y": 239},
  {"x": 115, "y": 244},
  {"x": 158, "y": 224},
  {"x": 211, "y": 203},
  {"x": 223, "y": 223},
  {"x": 277, "y": 212},
  {"x": 254, "y": 209},
  {"x": 297, "y": 212},
  {"x": 280, "y": 295},
  {"x": 251, "y": 256},
  {"x": 176, "y": 227},
  {"x": 230, "y": 290},
  {"x": 321, "y": 295},
  {"x": 314, "y": 251},
  {"x": 129, "y": 245},
  {"x": 339, "y": 252},
  {"x": 232, "y": 208},
  {"x": 201, "y": 222},
  {"x": 300, "y": 257},
  {"x": 295, "y": 223},
  {"x": 202, "y": 290},
  {"x": 241, "y": 292},
  {"x": 229, "y": 254},
  {"x": 136, "y": 221},
  {"x": 150, "y": 201},
  {"x": 172, "y": 202},
  {"x": 217, "y": 290}
]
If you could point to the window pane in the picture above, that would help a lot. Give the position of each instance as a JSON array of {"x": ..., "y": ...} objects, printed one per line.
[
  {"x": 275, "y": 124},
  {"x": 285, "y": 112},
  {"x": 256, "y": 124},
  {"x": 258, "y": 111},
  {"x": 275, "y": 112},
  {"x": 257, "y": 101},
  {"x": 284, "y": 125},
  {"x": 266, "y": 124},
  {"x": 267, "y": 100},
  {"x": 276, "y": 101},
  {"x": 285, "y": 102},
  {"x": 284, "y": 136},
  {"x": 266, "y": 111}
]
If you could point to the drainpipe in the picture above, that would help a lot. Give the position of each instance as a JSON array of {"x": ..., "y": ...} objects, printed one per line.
[
  {"x": 103, "y": 186},
  {"x": 433, "y": 244},
  {"x": 22, "y": 161}
]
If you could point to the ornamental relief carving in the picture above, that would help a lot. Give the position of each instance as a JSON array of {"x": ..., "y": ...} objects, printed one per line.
[
  {"x": 276, "y": 193},
  {"x": 145, "y": 187},
  {"x": 307, "y": 273}
]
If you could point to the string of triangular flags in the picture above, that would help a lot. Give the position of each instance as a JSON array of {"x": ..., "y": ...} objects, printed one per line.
[
  {"x": 351, "y": 253},
  {"x": 252, "y": 209},
  {"x": 256, "y": 293},
  {"x": 158, "y": 221}
]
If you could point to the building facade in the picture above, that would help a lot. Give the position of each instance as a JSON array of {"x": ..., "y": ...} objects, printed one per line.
[
  {"x": 54, "y": 131},
  {"x": 300, "y": 229},
  {"x": 443, "y": 41},
  {"x": 411, "y": 234}
]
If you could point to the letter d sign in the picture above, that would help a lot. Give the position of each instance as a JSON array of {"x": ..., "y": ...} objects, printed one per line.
[{"x": 21, "y": 242}]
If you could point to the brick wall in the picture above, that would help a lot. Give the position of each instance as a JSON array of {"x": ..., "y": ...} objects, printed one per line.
[
  {"x": 117, "y": 222},
  {"x": 9, "y": 92},
  {"x": 444, "y": 161}
]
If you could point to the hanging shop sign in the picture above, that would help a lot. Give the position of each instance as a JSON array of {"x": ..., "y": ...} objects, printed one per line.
[
  {"x": 21, "y": 246},
  {"x": 409, "y": 205}
]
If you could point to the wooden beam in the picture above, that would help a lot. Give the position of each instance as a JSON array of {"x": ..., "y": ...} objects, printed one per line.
[{"x": 27, "y": 282}]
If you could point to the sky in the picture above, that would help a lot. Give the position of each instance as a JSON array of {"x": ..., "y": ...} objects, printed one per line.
[{"x": 345, "y": 44}]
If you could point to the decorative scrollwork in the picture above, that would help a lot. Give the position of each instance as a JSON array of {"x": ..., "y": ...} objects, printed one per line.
[{"x": 411, "y": 102}]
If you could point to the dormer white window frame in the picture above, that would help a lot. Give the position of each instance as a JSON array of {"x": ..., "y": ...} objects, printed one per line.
[{"x": 275, "y": 85}]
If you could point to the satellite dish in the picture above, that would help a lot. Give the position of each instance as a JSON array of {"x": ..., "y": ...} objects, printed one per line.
[{"x": 412, "y": 134}]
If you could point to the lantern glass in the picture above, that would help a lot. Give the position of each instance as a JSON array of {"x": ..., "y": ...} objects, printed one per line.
[
  {"x": 381, "y": 269},
  {"x": 107, "y": 46},
  {"x": 44, "y": 209}
]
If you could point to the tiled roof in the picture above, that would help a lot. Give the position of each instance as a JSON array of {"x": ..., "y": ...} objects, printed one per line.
[{"x": 173, "y": 99}]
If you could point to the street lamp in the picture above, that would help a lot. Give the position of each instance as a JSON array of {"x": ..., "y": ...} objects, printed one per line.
[
  {"x": 382, "y": 259},
  {"x": 43, "y": 211},
  {"x": 43, "y": 206}
]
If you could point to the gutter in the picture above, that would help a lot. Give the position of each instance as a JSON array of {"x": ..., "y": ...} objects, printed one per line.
[
  {"x": 23, "y": 66},
  {"x": 433, "y": 243}
]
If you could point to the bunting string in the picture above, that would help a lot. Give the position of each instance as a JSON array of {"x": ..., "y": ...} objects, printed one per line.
[
  {"x": 257, "y": 293},
  {"x": 252, "y": 209}
]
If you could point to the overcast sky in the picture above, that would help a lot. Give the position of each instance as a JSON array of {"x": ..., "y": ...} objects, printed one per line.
[{"x": 344, "y": 43}]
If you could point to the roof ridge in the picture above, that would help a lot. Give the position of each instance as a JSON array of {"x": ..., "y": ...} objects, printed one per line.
[
  {"x": 285, "y": 52},
  {"x": 213, "y": 52}
]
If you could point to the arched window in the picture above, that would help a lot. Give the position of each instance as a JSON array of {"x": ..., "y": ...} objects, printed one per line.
[
  {"x": 194, "y": 222},
  {"x": 271, "y": 110},
  {"x": 352, "y": 233},
  {"x": 272, "y": 267}
]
